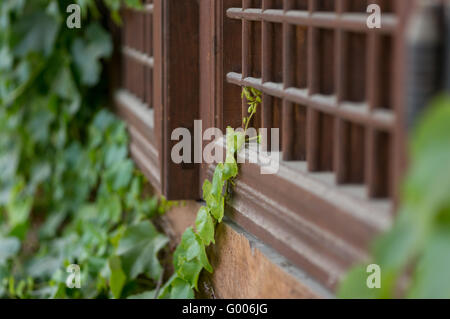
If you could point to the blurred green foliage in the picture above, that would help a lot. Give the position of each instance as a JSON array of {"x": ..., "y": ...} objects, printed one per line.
[
  {"x": 415, "y": 255},
  {"x": 69, "y": 194}
]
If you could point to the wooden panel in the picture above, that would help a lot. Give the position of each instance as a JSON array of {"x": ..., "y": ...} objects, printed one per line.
[
  {"x": 335, "y": 86},
  {"x": 177, "y": 100},
  {"x": 135, "y": 99},
  {"x": 339, "y": 117}
]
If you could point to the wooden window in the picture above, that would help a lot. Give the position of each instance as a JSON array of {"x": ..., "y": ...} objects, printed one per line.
[
  {"x": 329, "y": 84},
  {"x": 326, "y": 80}
]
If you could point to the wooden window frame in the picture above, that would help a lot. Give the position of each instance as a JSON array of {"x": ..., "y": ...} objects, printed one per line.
[
  {"x": 316, "y": 223},
  {"x": 319, "y": 225}
]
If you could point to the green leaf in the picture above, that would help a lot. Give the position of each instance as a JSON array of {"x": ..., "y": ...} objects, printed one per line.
[
  {"x": 230, "y": 139},
  {"x": 218, "y": 181},
  {"x": 432, "y": 276},
  {"x": 36, "y": 31},
  {"x": 120, "y": 174},
  {"x": 230, "y": 167},
  {"x": 9, "y": 247},
  {"x": 205, "y": 226},
  {"x": 217, "y": 207},
  {"x": 181, "y": 290},
  {"x": 87, "y": 53},
  {"x": 118, "y": 277},
  {"x": 354, "y": 286},
  {"x": 110, "y": 209},
  {"x": 18, "y": 211},
  {"x": 189, "y": 271},
  {"x": 115, "y": 153},
  {"x": 190, "y": 258},
  {"x": 176, "y": 288},
  {"x": 145, "y": 295},
  {"x": 139, "y": 249},
  {"x": 65, "y": 87},
  {"x": 207, "y": 187}
]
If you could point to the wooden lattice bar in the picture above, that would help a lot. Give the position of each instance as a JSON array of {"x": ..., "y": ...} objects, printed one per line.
[{"x": 328, "y": 89}]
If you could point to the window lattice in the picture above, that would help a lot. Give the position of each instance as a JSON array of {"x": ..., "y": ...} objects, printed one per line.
[{"x": 326, "y": 83}]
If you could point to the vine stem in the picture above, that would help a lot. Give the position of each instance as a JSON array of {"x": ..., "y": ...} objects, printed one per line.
[{"x": 159, "y": 284}]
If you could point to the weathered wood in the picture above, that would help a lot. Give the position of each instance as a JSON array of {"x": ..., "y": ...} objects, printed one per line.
[{"x": 176, "y": 89}]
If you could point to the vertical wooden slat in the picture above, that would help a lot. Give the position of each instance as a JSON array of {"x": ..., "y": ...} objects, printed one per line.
[
  {"x": 341, "y": 128},
  {"x": 246, "y": 53},
  {"x": 180, "y": 91},
  {"x": 267, "y": 74},
  {"x": 158, "y": 94},
  {"x": 375, "y": 185},
  {"x": 288, "y": 81},
  {"x": 313, "y": 150}
]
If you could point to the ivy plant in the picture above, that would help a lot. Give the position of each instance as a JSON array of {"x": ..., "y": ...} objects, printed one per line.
[
  {"x": 190, "y": 256},
  {"x": 414, "y": 256},
  {"x": 69, "y": 193}
]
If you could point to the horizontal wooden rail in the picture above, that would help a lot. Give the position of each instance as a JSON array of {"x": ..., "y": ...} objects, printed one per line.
[
  {"x": 138, "y": 56},
  {"x": 381, "y": 119},
  {"x": 330, "y": 20}
]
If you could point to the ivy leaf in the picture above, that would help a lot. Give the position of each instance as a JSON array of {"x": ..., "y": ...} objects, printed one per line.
[
  {"x": 218, "y": 181},
  {"x": 190, "y": 258},
  {"x": 115, "y": 153},
  {"x": 176, "y": 288},
  {"x": 429, "y": 179},
  {"x": 214, "y": 199},
  {"x": 110, "y": 209},
  {"x": 207, "y": 187},
  {"x": 135, "y": 4},
  {"x": 230, "y": 141},
  {"x": 230, "y": 167},
  {"x": 36, "y": 31},
  {"x": 40, "y": 121},
  {"x": 355, "y": 286},
  {"x": 189, "y": 271},
  {"x": 18, "y": 211},
  {"x": 87, "y": 53},
  {"x": 119, "y": 175},
  {"x": 181, "y": 290},
  {"x": 431, "y": 279},
  {"x": 118, "y": 277},
  {"x": 64, "y": 86},
  {"x": 39, "y": 173},
  {"x": 139, "y": 249},
  {"x": 145, "y": 295},
  {"x": 9, "y": 247},
  {"x": 217, "y": 207},
  {"x": 205, "y": 226},
  {"x": 103, "y": 120}
]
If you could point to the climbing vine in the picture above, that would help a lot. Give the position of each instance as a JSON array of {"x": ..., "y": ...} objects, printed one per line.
[{"x": 190, "y": 256}]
